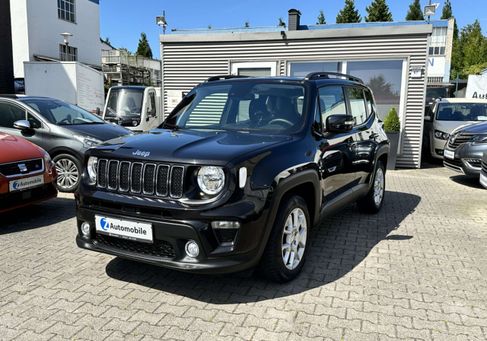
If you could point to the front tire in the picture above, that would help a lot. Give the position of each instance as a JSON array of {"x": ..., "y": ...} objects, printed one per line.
[
  {"x": 372, "y": 202},
  {"x": 286, "y": 248},
  {"x": 68, "y": 173}
]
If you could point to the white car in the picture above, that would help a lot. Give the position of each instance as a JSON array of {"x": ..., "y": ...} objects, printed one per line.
[{"x": 448, "y": 115}]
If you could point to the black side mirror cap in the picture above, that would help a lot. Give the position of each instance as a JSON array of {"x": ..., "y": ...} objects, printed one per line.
[{"x": 339, "y": 123}]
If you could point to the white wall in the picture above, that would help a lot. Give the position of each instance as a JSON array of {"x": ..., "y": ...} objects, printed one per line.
[
  {"x": 44, "y": 29},
  {"x": 20, "y": 36}
]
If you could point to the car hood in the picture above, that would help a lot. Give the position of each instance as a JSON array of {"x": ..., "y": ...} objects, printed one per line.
[
  {"x": 477, "y": 128},
  {"x": 102, "y": 131},
  {"x": 14, "y": 148},
  {"x": 189, "y": 146}
]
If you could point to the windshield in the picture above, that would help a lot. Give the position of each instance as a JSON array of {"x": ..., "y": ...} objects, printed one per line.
[
  {"x": 436, "y": 93},
  {"x": 462, "y": 112},
  {"x": 125, "y": 102},
  {"x": 62, "y": 113},
  {"x": 242, "y": 106}
]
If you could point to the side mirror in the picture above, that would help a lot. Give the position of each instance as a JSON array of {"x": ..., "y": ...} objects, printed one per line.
[
  {"x": 339, "y": 123},
  {"x": 428, "y": 118},
  {"x": 22, "y": 125}
]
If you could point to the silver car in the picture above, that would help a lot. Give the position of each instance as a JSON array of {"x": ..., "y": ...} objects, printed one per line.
[{"x": 448, "y": 115}]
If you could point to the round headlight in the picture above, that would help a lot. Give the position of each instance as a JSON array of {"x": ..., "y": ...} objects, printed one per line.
[
  {"x": 92, "y": 169},
  {"x": 211, "y": 179}
]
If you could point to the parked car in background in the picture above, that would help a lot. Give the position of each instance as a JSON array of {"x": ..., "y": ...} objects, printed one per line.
[
  {"x": 27, "y": 173},
  {"x": 448, "y": 114},
  {"x": 237, "y": 175},
  {"x": 64, "y": 130},
  {"x": 138, "y": 108},
  {"x": 465, "y": 148},
  {"x": 483, "y": 171}
]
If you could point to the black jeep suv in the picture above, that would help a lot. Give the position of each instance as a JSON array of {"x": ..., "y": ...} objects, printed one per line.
[{"x": 237, "y": 175}]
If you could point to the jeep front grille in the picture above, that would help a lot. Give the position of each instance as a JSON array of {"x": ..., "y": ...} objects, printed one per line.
[
  {"x": 144, "y": 178},
  {"x": 458, "y": 139}
]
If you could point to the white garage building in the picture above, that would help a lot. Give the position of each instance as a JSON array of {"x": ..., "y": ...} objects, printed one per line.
[{"x": 392, "y": 58}]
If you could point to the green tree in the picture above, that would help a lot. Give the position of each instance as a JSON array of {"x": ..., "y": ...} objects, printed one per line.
[
  {"x": 348, "y": 14},
  {"x": 378, "y": 11},
  {"x": 144, "y": 49},
  {"x": 321, "y": 18},
  {"x": 447, "y": 13},
  {"x": 246, "y": 24},
  {"x": 415, "y": 11},
  {"x": 473, "y": 45},
  {"x": 125, "y": 50}
]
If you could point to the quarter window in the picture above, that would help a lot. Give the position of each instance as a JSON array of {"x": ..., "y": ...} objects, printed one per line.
[
  {"x": 65, "y": 10},
  {"x": 332, "y": 101},
  {"x": 357, "y": 104},
  {"x": 9, "y": 114}
]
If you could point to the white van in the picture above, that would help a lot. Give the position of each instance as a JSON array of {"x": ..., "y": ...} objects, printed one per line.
[{"x": 448, "y": 114}]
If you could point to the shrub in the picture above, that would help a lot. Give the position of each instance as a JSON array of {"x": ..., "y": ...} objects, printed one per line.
[{"x": 391, "y": 122}]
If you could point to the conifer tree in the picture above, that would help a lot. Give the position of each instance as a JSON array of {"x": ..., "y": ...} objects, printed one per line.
[
  {"x": 348, "y": 14},
  {"x": 321, "y": 18},
  {"x": 144, "y": 49},
  {"x": 378, "y": 11},
  {"x": 415, "y": 12}
]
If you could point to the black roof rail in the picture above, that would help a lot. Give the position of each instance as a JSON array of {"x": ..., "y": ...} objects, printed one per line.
[
  {"x": 222, "y": 77},
  {"x": 326, "y": 75}
]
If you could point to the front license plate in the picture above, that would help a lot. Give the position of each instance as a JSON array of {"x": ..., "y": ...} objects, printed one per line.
[
  {"x": 449, "y": 154},
  {"x": 20, "y": 184},
  {"x": 125, "y": 229}
]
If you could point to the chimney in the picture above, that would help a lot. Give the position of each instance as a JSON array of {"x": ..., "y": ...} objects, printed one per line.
[{"x": 294, "y": 19}]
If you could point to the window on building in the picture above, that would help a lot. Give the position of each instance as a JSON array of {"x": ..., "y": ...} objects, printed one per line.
[
  {"x": 68, "y": 53},
  {"x": 66, "y": 10},
  {"x": 301, "y": 69},
  {"x": 438, "y": 41},
  {"x": 384, "y": 78}
]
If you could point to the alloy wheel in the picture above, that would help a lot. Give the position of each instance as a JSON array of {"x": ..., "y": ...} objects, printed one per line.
[
  {"x": 294, "y": 238},
  {"x": 379, "y": 186},
  {"x": 68, "y": 174}
]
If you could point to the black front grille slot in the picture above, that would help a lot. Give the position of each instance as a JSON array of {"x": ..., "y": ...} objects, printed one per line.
[
  {"x": 102, "y": 173},
  {"x": 160, "y": 248},
  {"x": 149, "y": 179},
  {"x": 112, "y": 174},
  {"x": 22, "y": 167},
  {"x": 124, "y": 184},
  {"x": 177, "y": 174},
  {"x": 162, "y": 180},
  {"x": 484, "y": 166},
  {"x": 136, "y": 177}
]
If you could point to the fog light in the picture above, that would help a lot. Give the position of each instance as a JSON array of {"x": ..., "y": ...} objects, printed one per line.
[
  {"x": 225, "y": 225},
  {"x": 85, "y": 229},
  {"x": 192, "y": 249}
]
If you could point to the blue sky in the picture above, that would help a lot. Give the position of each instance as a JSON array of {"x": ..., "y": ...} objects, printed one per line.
[{"x": 123, "y": 20}]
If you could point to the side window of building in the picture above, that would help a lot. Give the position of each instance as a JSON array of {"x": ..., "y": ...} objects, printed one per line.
[
  {"x": 10, "y": 113},
  {"x": 66, "y": 10},
  {"x": 356, "y": 101},
  {"x": 332, "y": 101}
]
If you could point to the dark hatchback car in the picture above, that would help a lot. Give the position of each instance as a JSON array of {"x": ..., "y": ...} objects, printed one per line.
[
  {"x": 236, "y": 176},
  {"x": 465, "y": 148},
  {"x": 64, "y": 130}
]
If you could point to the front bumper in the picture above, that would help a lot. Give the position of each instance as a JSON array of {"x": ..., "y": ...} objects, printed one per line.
[
  {"x": 170, "y": 234},
  {"x": 15, "y": 200},
  {"x": 467, "y": 159},
  {"x": 437, "y": 147}
]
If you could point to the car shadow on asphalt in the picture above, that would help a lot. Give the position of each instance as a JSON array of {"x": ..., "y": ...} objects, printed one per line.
[
  {"x": 338, "y": 245},
  {"x": 472, "y": 182},
  {"x": 37, "y": 216}
]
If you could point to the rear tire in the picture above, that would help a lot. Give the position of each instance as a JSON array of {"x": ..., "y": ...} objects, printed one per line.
[
  {"x": 68, "y": 172},
  {"x": 286, "y": 249},
  {"x": 372, "y": 202}
]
